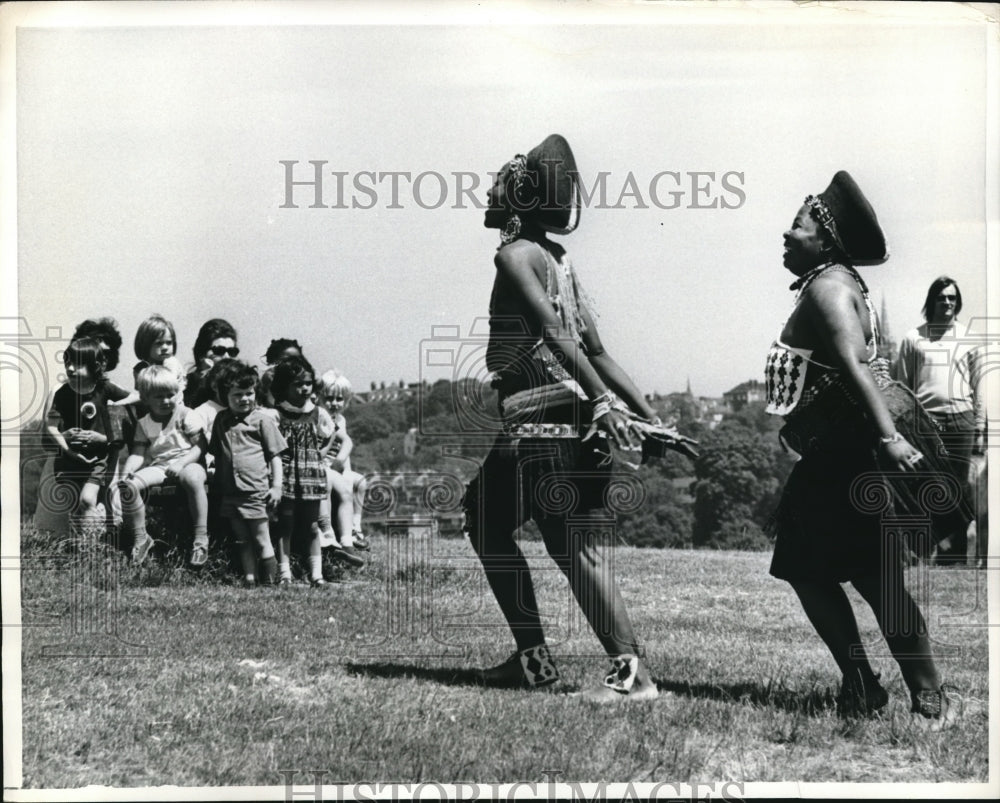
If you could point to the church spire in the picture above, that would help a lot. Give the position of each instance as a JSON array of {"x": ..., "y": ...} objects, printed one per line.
[
  {"x": 689, "y": 393},
  {"x": 887, "y": 346}
]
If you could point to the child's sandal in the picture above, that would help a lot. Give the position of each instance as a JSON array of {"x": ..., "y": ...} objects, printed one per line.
[{"x": 199, "y": 555}]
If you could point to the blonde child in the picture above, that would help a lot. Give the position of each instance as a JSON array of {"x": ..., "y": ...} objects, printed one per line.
[
  {"x": 86, "y": 433},
  {"x": 247, "y": 448},
  {"x": 168, "y": 446},
  {"x": 309, "y": 431},
  {"x": 348, "y": 485}
]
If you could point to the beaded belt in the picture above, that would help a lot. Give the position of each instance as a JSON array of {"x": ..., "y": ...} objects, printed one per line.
[{"x": 531, "y": 430}]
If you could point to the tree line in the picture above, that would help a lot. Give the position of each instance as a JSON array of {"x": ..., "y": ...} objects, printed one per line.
[{"x": 721, "y": 500}]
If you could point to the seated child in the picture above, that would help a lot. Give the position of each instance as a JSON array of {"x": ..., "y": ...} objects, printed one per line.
[
  {"x": 86, "y": 432},
  {"x": 156, "y": 344},
  {"x": 335, "y": 393},
  {"x": 247, "y": 447},
  {"x": 168, "y": 446},
  {"x": 279, "y": 349},
  {"x": 209, "y": 409}
]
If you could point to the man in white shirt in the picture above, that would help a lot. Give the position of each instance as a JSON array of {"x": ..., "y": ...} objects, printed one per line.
[{"x": 941, "y": 363}]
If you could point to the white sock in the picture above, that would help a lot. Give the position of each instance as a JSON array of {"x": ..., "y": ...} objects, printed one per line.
[
  {"x": 285, "y": 569},
  {"x": 316, "y": 566}
]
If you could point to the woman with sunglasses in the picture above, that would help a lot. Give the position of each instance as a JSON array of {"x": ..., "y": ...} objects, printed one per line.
[{"x": 216, "y": 340}]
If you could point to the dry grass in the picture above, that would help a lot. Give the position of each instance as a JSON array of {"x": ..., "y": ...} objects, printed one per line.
[{"x": 205, "y": 683}]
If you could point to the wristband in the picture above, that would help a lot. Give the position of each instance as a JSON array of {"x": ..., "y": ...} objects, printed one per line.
[
  {"x": 601, "y": 408},
  {"x": 601, "y": 405},
  {"x": 885, "y": 440}
]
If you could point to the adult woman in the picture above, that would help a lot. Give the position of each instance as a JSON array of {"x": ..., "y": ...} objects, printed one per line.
[
  {"x": 555, "y": 380},
  {"x": 216, "y": 339},
  {"x": 940, "y": 363},
  {"x": 821, "y": 375},
  {"x": 104, "y": 331}
]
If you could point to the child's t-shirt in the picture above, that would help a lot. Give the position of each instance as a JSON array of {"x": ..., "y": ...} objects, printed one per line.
[
  {"x": 207, "y": 412},
  {"x": 165, "y": 442},
  {"x": 90, "y": 411},
  {"x": 242, "y": 448}
]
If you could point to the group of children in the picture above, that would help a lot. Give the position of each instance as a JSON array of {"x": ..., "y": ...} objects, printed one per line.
[{"x": 273, "y": 449}]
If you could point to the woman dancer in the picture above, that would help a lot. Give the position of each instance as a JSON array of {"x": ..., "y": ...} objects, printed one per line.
[
  {"x": 823, "y": 375},
  {"x": 555, "y": 382}
]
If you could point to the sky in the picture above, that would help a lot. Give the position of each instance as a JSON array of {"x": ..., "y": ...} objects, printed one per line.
[{"x": 150, "y": 178}]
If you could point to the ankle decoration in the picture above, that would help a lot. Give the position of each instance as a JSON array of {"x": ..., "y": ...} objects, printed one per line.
[
  {"x": 927, "y": 703},
  {"x": 623, "y": 671},
  {"x": 539, "y": 669}
]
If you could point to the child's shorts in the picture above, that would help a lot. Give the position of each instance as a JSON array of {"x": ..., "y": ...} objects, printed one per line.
[
  {"x": 150, "y": 477},
  {"x": 249, "y": 506},
  {"x": 71, "y": 472}
]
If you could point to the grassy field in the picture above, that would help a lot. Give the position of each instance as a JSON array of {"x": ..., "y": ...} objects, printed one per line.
[{"x": 205, "y": 683}]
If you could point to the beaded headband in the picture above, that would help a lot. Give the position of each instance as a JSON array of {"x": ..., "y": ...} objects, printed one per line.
[
  {"x": 517, "y": 168},
  {"x": 825, "y": 218}
]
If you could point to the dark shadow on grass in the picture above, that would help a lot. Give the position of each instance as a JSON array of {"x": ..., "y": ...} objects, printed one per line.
[
  {"x": 446, "y": 676},
  {"x": 813, "y": 701}
]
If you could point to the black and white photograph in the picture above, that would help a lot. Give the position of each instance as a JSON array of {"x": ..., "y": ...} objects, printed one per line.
[{"x": 518, "y": 400}]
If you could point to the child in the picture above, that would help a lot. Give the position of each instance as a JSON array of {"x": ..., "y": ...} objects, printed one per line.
[
  {"x": 309, "y": 431},
  {"x": 335, "y": 392},
  {"x": 209, "y": 385},
  {"x": 247, "y": 447},
  {"x": 168, "y": 446},
  {"x": 79, "y": 423},
  {"x": 155, "y": 344},
  {"x": 278, "y": 350}
]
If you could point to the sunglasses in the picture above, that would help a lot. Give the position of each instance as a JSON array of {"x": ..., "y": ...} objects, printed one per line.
[{"x": 222, "y": 351}]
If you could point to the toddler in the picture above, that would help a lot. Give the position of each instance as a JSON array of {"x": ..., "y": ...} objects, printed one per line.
[
  {"x": 309, "y": 431},
  {"x": 349, "y": 486},
  {"x": 279, "y": 349},
  {"x": 84, "y": 429},
  {"x": 168, "y": 446},
  {"x": 247, "y": 448}
]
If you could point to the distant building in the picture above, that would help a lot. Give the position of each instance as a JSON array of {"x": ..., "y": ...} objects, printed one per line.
[
  {"x": 388, "y": 391},
  {"x": 674, "y": 408},
  {"x": 744, "y": 393}
]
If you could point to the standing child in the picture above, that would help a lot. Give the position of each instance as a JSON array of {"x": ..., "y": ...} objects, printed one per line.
[
  {"x": 309, "y": 431},
  {"x": 83, "y": 429},
  {"x": 169, "y": 445},
  {"x": 247, "y": 447},
  {"x": 346, "y": 484}
]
